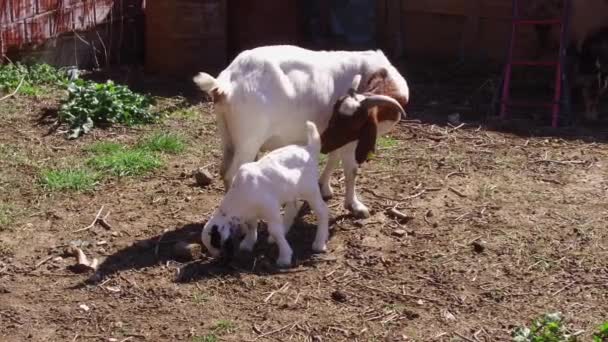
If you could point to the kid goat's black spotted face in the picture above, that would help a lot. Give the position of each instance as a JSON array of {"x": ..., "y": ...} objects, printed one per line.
[{"x": 220, "y": 235}]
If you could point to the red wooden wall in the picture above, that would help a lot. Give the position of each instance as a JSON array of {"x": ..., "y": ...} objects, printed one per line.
[{"x": 27, "y": 23}]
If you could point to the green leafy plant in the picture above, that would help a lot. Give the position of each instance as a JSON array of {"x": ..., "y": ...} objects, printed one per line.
[
  {"x": 602, "y": 334},
  {"x": 90, "y": 104},
  {"x": 548, "y": 328},
  {"x": 33, "y": 76}
]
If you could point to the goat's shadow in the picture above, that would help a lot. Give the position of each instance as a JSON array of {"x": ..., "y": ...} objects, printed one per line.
[{"x": 160, "y": 249}]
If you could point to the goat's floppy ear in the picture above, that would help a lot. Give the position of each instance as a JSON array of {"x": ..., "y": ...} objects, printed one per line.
[{"x": 366, "y": 144}]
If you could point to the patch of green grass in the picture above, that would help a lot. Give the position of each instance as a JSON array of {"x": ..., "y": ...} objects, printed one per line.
[
  {"x": 205, "y": 338},
  {"x": 602, "y": 334},
  {"x": 69, "y": 179},
  {"x": 105, "y": 147},
  {"x": 125, "y": 162},
  {"x": 6, "y": 216},
  {"x": 200, "y": 298},
  {"x": 186, "y": 113},
  {"x": 548, "y": 328},
  {"x": 224, "y": 327},
  {"x": 386, "y": 142},
  {"x": 163, "y": 142}
]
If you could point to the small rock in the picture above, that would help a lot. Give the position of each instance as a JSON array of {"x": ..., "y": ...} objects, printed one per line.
[
  {"x": 478, "y": 247},
  {"x": 339, "y": 296},
  {"x": 112, "y": 339},
  {"x": 115, "y": 234},
  {"x": 84, "y": 307},
  {"x": 399, "y": 233},
  {"x": 102, "y": 243},
  {"x": 203, "y": 177}
]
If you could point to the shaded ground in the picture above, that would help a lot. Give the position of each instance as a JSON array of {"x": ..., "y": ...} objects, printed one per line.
[{"x": 504, "y": 227}]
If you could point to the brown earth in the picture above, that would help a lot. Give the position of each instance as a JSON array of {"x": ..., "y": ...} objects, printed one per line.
[{"x": 503, "y": 228}]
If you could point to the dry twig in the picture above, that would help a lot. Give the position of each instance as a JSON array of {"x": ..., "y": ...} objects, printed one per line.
[
  {"x": 92, "y": 223},
  {"x": 15, "y": 91}
]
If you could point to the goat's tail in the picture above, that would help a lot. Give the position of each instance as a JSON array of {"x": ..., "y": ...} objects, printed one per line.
[
  {"x": 209, "y": 85},
  {"x": 205, "y": 81},
  {"x": 314, "y": 140}
]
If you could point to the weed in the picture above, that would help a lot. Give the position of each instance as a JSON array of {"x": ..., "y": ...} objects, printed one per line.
[
  {"x": 224, "y": 327},
  {"x": 34, "y": 76},
  {"x": 186, "y": 113},
  {"x": 163, "y": 142},
  {"x": 385, "y": 143},
  {"x": 6, "y": 216},
  {"x": 125, "y": 162},
  {"x": 548, "y": 328},
  {"x": 105, "y": 147},
  {"x": 602, "y": 334},
  {"x": 206, "y": 338},
  {"x": 200, "y": 298},
  {"x": 91, "y": 104},
  {"x": 69, "y": 179}
]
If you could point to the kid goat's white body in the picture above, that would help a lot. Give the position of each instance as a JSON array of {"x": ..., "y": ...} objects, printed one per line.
[{"x": 259, "y": 190}]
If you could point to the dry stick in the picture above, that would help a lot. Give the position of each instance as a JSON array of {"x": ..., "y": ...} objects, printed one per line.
[
  {"x": 93, "y": 223},
  {"x": 43, "y": 261},
  {"x": 396, "y": 213},
  {"x": 563, "y": 288},
  {"x": 460, "y": 194},
  {"x": 275, "y": 331},
  {"x": 455, "y": 173},
  {"x": 14, "y": 92}
]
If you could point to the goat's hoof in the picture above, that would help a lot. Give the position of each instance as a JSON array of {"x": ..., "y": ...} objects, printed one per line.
[
  {"x": 361, "y": 212},
  {"x": 284, "y": 263},
  {"x": 319, "y": 247}
]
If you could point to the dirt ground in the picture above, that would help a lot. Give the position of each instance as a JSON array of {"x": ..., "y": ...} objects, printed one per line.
[{"x": 502, "y": 227}]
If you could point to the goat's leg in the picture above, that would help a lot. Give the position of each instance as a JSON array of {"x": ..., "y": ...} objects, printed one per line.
[
  {"x": 291, "y": 212},
  {"x": 318, "y": 205},
  {"x": 243, "y": 154},
  {"x": 332, "y": 163},
  {"x": 271, "y": 213},
  {"x": 251, "y": 236},
  {"x": 350, "y": 166}
]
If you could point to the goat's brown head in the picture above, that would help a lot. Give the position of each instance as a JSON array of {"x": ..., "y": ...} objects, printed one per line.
[{"x": 356, "y": 116}]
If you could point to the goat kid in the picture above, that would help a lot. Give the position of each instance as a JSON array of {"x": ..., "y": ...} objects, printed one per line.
[
  {"x": 258, "y": 191},
  {"x": 263, "y": 98}
]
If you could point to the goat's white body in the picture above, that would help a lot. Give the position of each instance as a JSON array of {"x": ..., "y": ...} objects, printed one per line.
[
  {"x": 259, "y": 190},
  {"x": 270, "y": 92}
]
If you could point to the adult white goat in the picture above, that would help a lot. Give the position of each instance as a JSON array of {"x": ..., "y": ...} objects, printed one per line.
[{"x": 265, "y": 96}]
